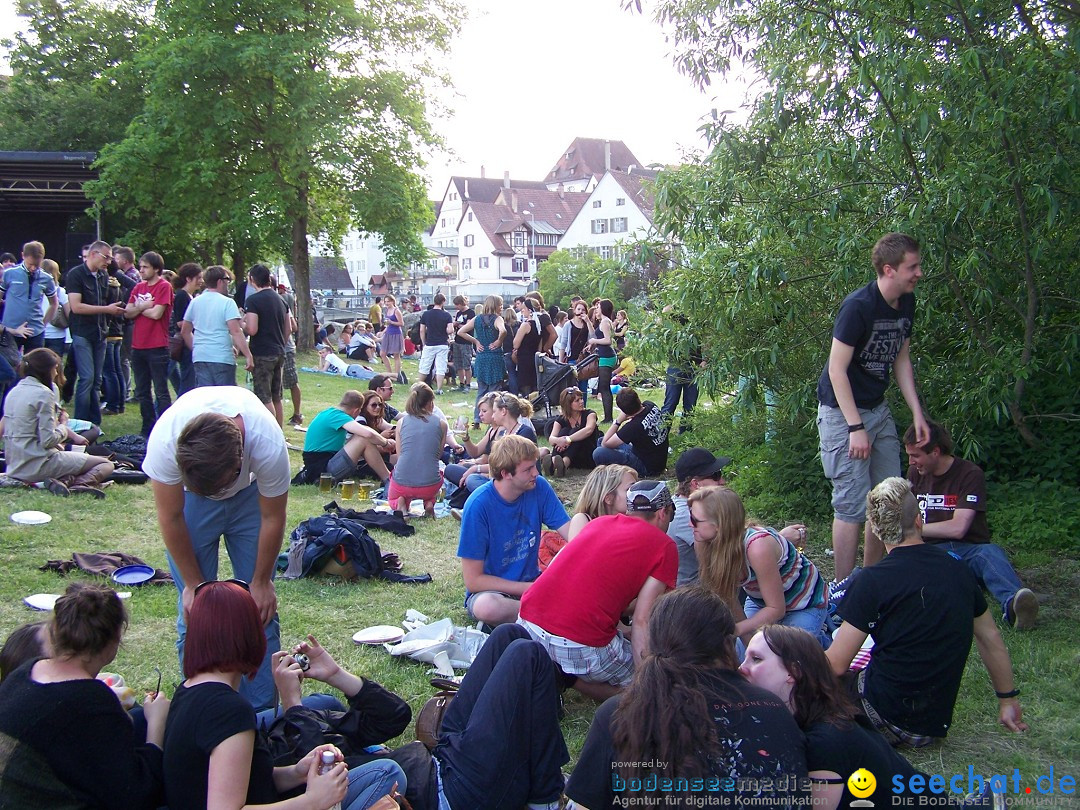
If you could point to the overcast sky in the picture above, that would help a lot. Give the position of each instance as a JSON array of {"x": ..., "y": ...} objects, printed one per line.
[{"x": 531, "y": 76}]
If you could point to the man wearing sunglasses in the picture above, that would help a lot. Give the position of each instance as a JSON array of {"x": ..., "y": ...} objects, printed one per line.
[{"x": 219, "y": 467}]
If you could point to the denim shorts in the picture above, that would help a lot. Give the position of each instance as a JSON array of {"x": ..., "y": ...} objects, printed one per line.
[{"x": 853, "y": 478}]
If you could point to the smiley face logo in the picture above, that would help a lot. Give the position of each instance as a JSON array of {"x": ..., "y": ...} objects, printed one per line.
[{"x": 861, "y": 783}]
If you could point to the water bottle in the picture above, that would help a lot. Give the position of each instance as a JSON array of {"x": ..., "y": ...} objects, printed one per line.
[{"x": 326, "y": 762}]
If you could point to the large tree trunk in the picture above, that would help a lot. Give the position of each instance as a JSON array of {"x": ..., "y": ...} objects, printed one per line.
[{"x": 305, "y": 338}]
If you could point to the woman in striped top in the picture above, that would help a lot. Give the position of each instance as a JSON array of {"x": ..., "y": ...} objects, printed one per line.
[{"x": 782, "y": 585}]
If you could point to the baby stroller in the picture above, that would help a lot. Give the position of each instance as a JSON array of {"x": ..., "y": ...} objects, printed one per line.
[{"x": 552, "y": 378}]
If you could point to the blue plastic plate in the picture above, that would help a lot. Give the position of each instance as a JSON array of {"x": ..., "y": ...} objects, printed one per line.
[{"x": 133, "y": 574}]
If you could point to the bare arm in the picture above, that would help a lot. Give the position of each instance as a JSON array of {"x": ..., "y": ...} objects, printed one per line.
[
  {"x": 187, "y": 333},
  {"x": 611, "y": 438},
  {"x": 652, "y": 590},
  {"x": 840, "y": 355},
  {"x": 75, "y": 303},
  {"x": 995, "y": 656},
  {"x": 240, "y": 343},
  {"x": 905, "y": 380},
  {"x": 476, "y": 580},
  {"x": 845, "y": 643},
  {"x": 250, "y": 323},
  {"x": 169, "y": 505},
  {"x": 763, "y": 558},
  {"x": 271, "y": 535},
  {"x": 955, "y": 528},
  {"x": 51, "y": 313}
]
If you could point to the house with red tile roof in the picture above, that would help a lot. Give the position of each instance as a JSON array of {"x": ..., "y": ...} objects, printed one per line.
[{"x": 586, "y": 160}]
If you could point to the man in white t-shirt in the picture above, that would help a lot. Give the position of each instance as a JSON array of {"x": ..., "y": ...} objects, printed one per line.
[
  {"x": 219, "y": 467},
  {"x": 330, "y": 362}
]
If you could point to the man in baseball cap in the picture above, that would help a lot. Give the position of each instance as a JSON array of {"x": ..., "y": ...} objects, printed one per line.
[{"x": 695, "y": 468}]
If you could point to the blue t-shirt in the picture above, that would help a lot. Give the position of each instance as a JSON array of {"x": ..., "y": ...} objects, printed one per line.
[
  {"x": 209, "y": 315},
  {"x": 506, "y": 536},
  {"x": 877, "y": 332},
  {"x": 22, "y": 297}
]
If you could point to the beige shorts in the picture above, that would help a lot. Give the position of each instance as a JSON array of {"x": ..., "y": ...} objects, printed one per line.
[{"x": 64, "y": 463}]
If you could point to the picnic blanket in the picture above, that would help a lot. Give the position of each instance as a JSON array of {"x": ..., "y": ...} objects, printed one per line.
[{"x": 103, "y": 564}]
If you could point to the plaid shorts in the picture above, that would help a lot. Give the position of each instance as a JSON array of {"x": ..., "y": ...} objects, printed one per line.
[
  {"x": 288, "y": 373},
  {"x": 463, "y": 355},
  {"x": 613, "y": 663}
]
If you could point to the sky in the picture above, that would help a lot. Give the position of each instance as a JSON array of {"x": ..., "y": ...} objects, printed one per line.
[{"x": 528, "y": 77}]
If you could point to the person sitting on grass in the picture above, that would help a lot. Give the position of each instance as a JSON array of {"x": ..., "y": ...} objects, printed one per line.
[
  {"x": 922, "y": 607},
  {"x": 618, "y": 564},
  {"x": 382, "y": 385},
  {"x": 67, "y": 740},
  {"x": 781, "y": 584},
  {"x": 332, "y": 364},
  {"x": 603, "y": 493},
  {"x": 638, "y": 438},
  {"x": 336, "y": 443},
  {"x": 573, "y": 436},
  {"x": 421, "y": 437},
  {"x": 510, "y": 417},
  {"x": 35, "y": 430},
  {"x": 500, "y": 531},
  {"x": 790, "y": 663}
]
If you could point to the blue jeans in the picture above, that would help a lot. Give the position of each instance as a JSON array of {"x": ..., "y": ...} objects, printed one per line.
[
  {"x": 501, "y": 745},
  {"x": 680, "y": 382},
  {"x": 812, "y": 620},
  {"x": 371, "y": 781},
  {"x": 237, "y": 519},
  {"x": 214, "y": 374},
  {"x": 58, "y": 345},
  {"x": 112, "y": 382},
  {"x": 316, "y": 702},
  {"x": 90, "y": 364},
  {"x": 620, "y": 455},
  {"x": 511, "y": 374},
  {"x": 182, "y": 373},
  {"x": 151, "y": 367},
  {"x": 991, "y": 565}
]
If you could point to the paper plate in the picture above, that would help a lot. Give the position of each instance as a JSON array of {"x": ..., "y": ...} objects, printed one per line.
[
  {"x": 133, "y": 574},
  {"x": 42, "y": 601},
  {"x": 31, "y": 517},
  {"x": 379, "y": 634}
]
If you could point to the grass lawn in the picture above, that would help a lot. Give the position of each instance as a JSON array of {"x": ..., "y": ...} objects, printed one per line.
[{"x": 1046, "y": 661}]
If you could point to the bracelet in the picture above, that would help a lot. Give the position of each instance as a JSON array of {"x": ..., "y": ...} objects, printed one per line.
[
  {"x": 856, "y": 428},
  {"x": 1006, "y": 695}
]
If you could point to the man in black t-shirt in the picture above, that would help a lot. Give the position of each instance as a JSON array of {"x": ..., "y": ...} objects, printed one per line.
[
  {"x": 922, "y": 608},
  {"x": 266, "y": 322},
  {"x": 857, "y": 435},
  {"x": 638, "y": 439},
  {"x": 434, "y": 335},
  {"x": 952, "y": 499}
]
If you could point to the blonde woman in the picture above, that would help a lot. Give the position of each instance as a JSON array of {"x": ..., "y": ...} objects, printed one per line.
[
  {"x": 604, "y": 493},
  {"x": 782, "y": 585}
]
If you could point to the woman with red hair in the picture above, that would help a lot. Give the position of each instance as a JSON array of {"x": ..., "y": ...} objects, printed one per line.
[{"x": 213, "y": 758}]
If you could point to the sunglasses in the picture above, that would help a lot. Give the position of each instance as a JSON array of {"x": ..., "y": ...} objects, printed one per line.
[
  {"x": 239, "y": 582},
  {"x": 695, "y": 522}
]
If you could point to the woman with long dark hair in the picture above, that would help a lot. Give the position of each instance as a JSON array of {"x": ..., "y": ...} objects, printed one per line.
[
  {"x": 790, "y": 663},
  {"x": 527, "y": 342},
  {"x": 213, "y": 757},
  {"x": 602, "y": 343},
  {"x": 393, "y": 339},
  {"x": 36, "y": 431},
  {"x": 688, "y": 714},
  {"x": 572, "y": 438},
  {"x": 68, "y": 742}
]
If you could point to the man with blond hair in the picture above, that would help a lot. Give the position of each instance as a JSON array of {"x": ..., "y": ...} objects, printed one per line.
[
  {"x": 922, "y": 607},
  {"x": 500, "y": 531},
  {"x": 21, "y": 289}
]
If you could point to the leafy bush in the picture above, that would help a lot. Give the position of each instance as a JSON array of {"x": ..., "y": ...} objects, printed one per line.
[{"x": 1035, "y": 515}]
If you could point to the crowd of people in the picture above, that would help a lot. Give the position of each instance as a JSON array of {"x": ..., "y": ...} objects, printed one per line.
[{"x": 724, "y": 659}]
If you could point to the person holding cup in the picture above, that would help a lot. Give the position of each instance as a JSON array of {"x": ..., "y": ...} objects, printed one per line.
[{"x": 421, "y": 437}]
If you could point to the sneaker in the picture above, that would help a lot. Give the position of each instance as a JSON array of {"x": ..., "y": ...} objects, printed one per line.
[
  {"x": 296, "y": 419},
  {"x": 1022, "y": 610},
  {"x": 560, "y": 466},
  {"x": 456, "y": 513},
  {"x": 57, "y": 487},
  {"x": 110, "y": 412}
]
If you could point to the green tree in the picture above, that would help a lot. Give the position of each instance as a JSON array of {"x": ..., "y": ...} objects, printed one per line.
[
  {"x": 270, "y": 121},
  {"x": 71, "y": 87},
  {"x": 955, "y": 121},
  {"x": 564, "y": 274}
]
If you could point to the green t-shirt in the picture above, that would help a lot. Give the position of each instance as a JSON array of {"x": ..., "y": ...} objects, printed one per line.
[{"x": 325, "y": 434}]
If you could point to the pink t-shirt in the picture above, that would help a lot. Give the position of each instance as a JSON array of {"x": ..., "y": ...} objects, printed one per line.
[{"x": 147, "y": 332}]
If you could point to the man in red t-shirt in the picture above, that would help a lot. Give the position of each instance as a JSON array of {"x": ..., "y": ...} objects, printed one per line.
[
  {"x": 574, "y": 608},
  {"x": 149, "y": 307}
]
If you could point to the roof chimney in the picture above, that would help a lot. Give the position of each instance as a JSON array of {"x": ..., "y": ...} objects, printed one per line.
[
  {"x": 483, "y": 172},
  {"x": 562, "y": 191},
  {"x": 607, "y": 156},
  {"x": 466, "y": 194},
  {"x": 506, "y": 179},
  {"x": 513, "y": 201}
]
